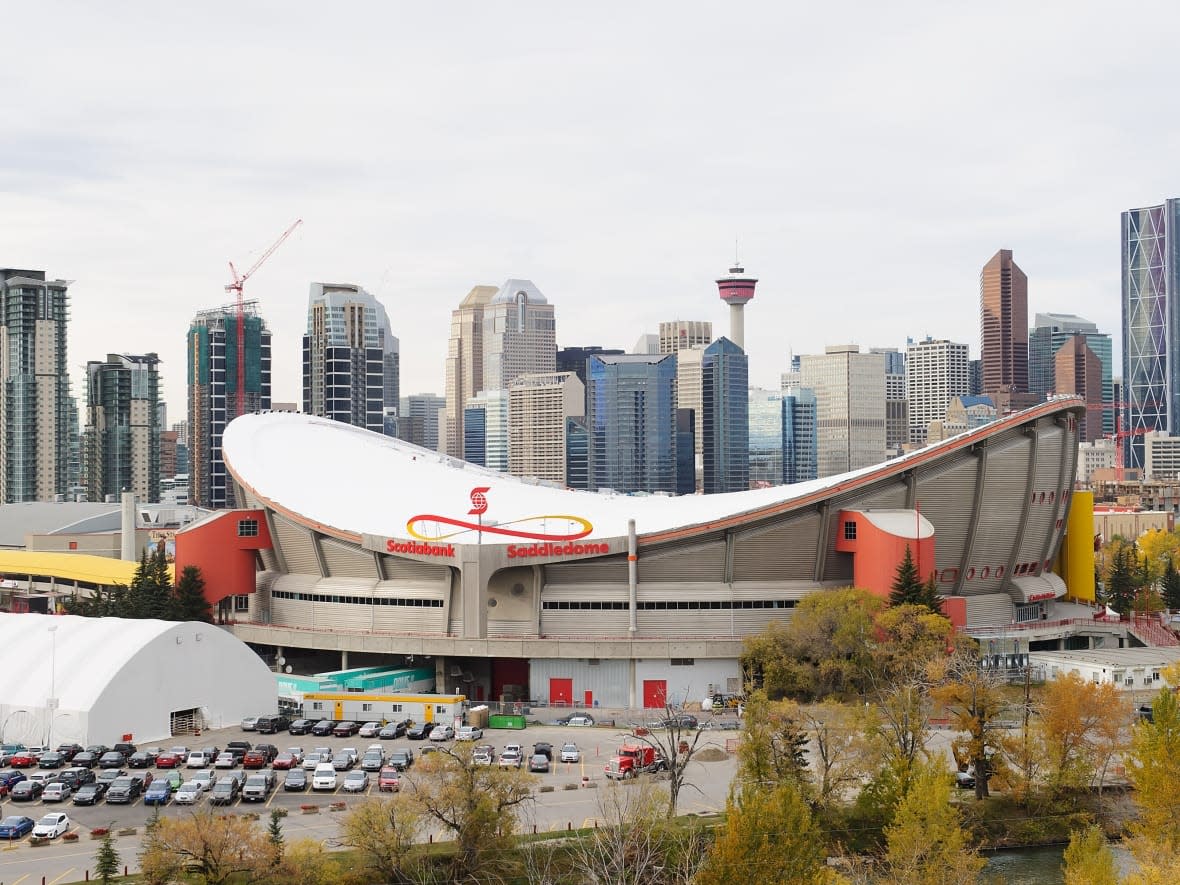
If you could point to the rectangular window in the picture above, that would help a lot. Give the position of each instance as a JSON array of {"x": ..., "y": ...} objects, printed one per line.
[
  {"x": 247, "y": 528},
  {"x": 440, "y": 709},
  {"x": 849, "y": 530},
  {"x": 683, "y": 662},
  {"x": 395, "y": 708},
  {"x": 365, "y": 708},
  {"x": 317, "y": 705},
  {"x": 241, "y": 603}
]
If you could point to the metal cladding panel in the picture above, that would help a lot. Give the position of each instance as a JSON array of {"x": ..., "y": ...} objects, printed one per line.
[
  {"x": 784, "y": 590},
  {"x": 699, "y": 562},
  {"x": 404, "y": 590},
  {"x": 401, "y": 619},
  {"x": 270, "y": 562},
  {"x": 945, "y": 498},
  {"x": 992, "y": 610},
  {"x": 757, "y": 620},
  {"x": 584, "y": 623},
  {"x": 1004, "y": 490},
  {"x": 350, "y": 586},
  {"x": 511, "y": 628},
  {"x": 347, "y": 559},
  {"x": 579, "y": 592},
  {"x": 297, "y": 546},
  {"x": 675, "y": 592},
  {"x": 411, "y": 569},
  {"x": 686, "y": 623},
  {"x": 608, "y": 681},
  {"x": 1044, "y": 500},
  {"x": 607, "y": 570},
  {"x": 454, "y": 610},
  {"x": 783, "y": 551},
  {"x": 838, "y": 565}
]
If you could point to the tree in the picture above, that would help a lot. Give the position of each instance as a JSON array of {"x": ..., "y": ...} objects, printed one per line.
[
  {"x": 1170, "y": 585},
  {"x": 106, "y": 859},
  {"x": 476, "y": 803},
  {"x": 1082, "y": 727},
  {"x": 307, "y": 862},
  {"x": 907, "y": 584},
  {"x": 274, "y": 833},
  {"x": 838, "y": 749},
  {"x": 1122, "y": 579},
  {"x": 1154, "y": 771},
  {"x": 190, "y": 596},
  {"x": 925, "y": 843},
  {"x": 769, "y": 836},
  {"x": 774, "y": 745},
  {"x": 676, "y": 742},
  {"x": 974, "y": 699},
  {"x": 385, "y": 833},
  {"x": 215, "y": 848},
  {"x": 1089, "y": 860}
]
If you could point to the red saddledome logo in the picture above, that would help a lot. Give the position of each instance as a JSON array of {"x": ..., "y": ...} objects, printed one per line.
[{"x": 555, "y": 532}]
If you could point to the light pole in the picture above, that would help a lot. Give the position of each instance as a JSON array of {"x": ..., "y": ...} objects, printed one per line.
[
  {"x": 8, "y": 719},
  {"x": 51, "y": 701}
]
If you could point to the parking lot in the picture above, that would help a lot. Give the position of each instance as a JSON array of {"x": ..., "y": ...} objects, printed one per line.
[{"x": 568, "y": 804}]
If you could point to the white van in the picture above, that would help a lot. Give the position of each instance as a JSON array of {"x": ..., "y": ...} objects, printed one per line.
[{"x": 324, "y": 777}]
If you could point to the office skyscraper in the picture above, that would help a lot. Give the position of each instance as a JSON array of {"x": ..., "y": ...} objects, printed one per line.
[
  {"x": 419, "y": 420},
  {"x": 573, "y": 359},
  {"x": 800, "y": 442},
  {"x": 897, "y": 414},
  {"x": 682, "y": 334},
  {"x": 766, "y": 437},
  {"x": 937, "y": 371},
  {"x": 539, "y": 407},
  {"x": 1003, "y": 325},
  {"x": 350, "y": 357},
  {"x": 212, "y": 393},
  {"x": 725, "y": 422},
  {"x": 35, "y": 405},
  {"x": 464, "y": 363},
  {"x": 122, "y": 427},
  {"x": 1078, "y": 371},
  {"x": 849, "y": 389},
  {"x": 1048, "y": 333},
  {"x": 1151, "y": 322},
  {"x": 485, "y": 429},
  {"x": 631, "y": 416},
  {"x": 519, "y": 335},
  {"x": 690, "y": 396}
]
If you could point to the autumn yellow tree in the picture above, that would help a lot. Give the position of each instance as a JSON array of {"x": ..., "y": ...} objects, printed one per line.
[
  {"x": 1081, "y": 727},
  {"x": 837, "y": 747},
  {"x": 975, "y": 699},
  {"x": 213, "y": 847},
  {"x": 773, "y": 742},
  {"x": 385, "y": 834},
  {"x": 1154, "y": 772},
  {"x": 1089, "y": 860}
]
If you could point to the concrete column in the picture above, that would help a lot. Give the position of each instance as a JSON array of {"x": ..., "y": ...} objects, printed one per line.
[
  {"x": 127, "y": 529},
  {"x": 632, "y": 577},
  {"x": 440, "y": 674},
  {"x": 344, "y": 660},
  {"x": 631, "y": 704}
]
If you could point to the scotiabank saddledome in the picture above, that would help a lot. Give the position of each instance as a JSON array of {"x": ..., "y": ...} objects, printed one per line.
[{"x": 378, "y": 546}]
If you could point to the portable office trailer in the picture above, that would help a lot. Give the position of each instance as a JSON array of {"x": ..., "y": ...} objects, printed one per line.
[{"x": 362, "y": 707}]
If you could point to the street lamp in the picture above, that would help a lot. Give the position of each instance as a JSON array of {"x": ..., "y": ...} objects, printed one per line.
[
  {"x": 51, "y": 701},
  {"x": 8, "y": 719}
]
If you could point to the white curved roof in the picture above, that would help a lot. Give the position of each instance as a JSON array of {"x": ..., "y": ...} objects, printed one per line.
[{"x": 352, "y": 481}]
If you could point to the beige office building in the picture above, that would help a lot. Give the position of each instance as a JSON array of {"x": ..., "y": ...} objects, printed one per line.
[
  {"x": 690, "y": 395},
  {"x": 464, "y": 363},
  {"x": 850, "y": 407},
  {"x": 936, "y": 372},
  {"x": 538, "y": 406},
  {"x": 683, "y": 334}
]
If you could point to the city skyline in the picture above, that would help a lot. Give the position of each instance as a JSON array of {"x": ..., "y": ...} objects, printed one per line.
[{"x": 591, "y": 180}]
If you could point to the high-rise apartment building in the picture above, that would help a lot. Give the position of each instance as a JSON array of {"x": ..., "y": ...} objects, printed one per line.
[
  {"x": 1003, "y": 325},
  {"x": 1151, "y": 322},
  {"x": 800, "y": 441},
  {"x": 725, "y": 422},
  {"x": 1078, "y": 371},
  {"x": 766, "y": 437},
  {"x": 682, "y": 334},
  {"x": 122, "y": 430},
  {"x": 35, "y": 401},
  {"x": 539, "y": 407},
  {"x": 519, "y": 335},
  {"x": 212, "y": 393},
  {"x": 464, "y": 363},
  {"x": 937, "y": 371},
  {"x": 690, "y": 396},
  {"x": 350, "y": 357},
  {"x": 1048, "y": 333},
  {"x": 631, "y": 416},
  {"x": 420, "y": 416},
  {"x": 849, "y": 390}
]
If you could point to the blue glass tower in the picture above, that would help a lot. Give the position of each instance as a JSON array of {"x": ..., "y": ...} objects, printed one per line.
[
  {"x": 631, "y": 416},
  {"x": 725, "y": 417},
  {"x": 800, "y": 443}
]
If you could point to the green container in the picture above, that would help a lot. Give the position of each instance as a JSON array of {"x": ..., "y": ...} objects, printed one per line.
[{"x": 505, "y": 720}]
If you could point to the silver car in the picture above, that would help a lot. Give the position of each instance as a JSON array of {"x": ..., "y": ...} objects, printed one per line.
[{"x": 189, "y": 793}]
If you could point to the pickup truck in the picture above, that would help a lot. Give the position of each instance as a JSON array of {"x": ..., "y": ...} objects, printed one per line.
[{"x": 634, "y": 759}]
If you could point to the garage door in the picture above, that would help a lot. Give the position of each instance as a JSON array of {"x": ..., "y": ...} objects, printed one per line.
[
  {"x": 561, "y": 691},
  {"x": 655, "y": 693}
]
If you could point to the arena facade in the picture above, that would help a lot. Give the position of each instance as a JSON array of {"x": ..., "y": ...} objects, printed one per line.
[{"x": 365, "y": 544}]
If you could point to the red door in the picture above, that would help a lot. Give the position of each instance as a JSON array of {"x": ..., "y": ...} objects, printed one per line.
[
  {"x": 589, "y": 699},
  {"x": 655, "y": 693},
  {"x": 561, "y": 691}
]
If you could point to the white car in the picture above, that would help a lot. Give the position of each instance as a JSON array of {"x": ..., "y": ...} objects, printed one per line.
[
  {"x": 350, "y": 752},
  {"x": 198, "y": 759},
  {"x": 296, "y": 753},
  {"x": 324, "y": 777},
  {"x": 442, "y": 733},
  {"x": 205, "y": 777},
  {"x": 56, "y": 792},
  {"x": 356, "y": 782},
  {"x": 189, "y": 793},
  {"x": 51, "y": 826},
  {"x": 469, "y": 733},
  {"x": 369, "y": 729},
  {"x": 570, "y": 752},
  {"x": 226, "y": 760}
]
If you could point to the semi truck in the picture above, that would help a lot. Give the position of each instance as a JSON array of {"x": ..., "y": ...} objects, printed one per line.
[{"x": 635, "y": 759}]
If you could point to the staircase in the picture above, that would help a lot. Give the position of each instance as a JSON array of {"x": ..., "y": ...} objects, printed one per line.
[{"x": 1148, "y": 630}]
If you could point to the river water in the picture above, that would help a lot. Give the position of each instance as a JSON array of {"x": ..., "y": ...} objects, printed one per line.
[{"x": 1025, "y": 866}]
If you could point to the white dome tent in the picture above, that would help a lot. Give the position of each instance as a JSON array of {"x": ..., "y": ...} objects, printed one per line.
[{"x": 95, "y": 680}]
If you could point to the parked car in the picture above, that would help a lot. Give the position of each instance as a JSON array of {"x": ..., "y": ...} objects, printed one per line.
[
  {"x": 112, "y": 759},
  {"x": 123, "y": 790},
  {"x": 297, "y": 752},
  {"x": 570, "y": 752},
  {"x": 300, "y": 726},
  {"x": 238, "y": 748},
  {"x": 485, "y": 754},
  {"x": 401, "y": 759},
  {"x": 109, "y": 775},
  {"x": 344, "y": 759},
  {"x": 250, "y": 723},
  {"x": 56, "y": 791},
  {"x": 683, "y": 721},
  {"x": 389, "y": 780},
  {"x": 311, "y": 760},
  {"x": 284, "y": 762},
  {"x": 69, "y": 751},
  {"x": 9, "y": 779},
  {"x": 76, "y": 777},
  {"x": 226, "y": 760},
  {"x": 26, "y": 791},
  {"x": 373, "y": 760},
  {"x": 159, "y": 793},
  {"x": 16, "y": 826},
  {"x": 198, "y": 759},
  {"x": 512, "y": 757},
  {"x": 7, "y": 751},
  {"x": 469, "y": 733},
  {"x": 52, "y": 759},
  {"x": 86, "y": 759},
  {"x": 356, "y": 782},
  {"x": 254, "y": 759},
  {"x": 323, "y": 728},
  {"x": 170, "y": 759},
  {"x": 538, "y": 762},
  {"x": 23, "y": 759},
  {"x": 369, "y": 729},
  {"x": 224, "y": 792},
  {"x": 90, "y": 794},
  {"x": 345, "y": 729},
  {"x": 143, "y": 759},
  {"x": 295, "y": 781},
  {"x": 392, "y": 731},
  {"x": 52, "y": 825},
  {"x": 180, "y": 751},
  {"x": 258, "y": 787},
  {"x": 206, "y": 777},
  {"x": 324, "y": 777},
  {"x": 543, "y": 748},
  {"x": 173, "y": 779},
  {"x": 190, "y": 793},
  {"x": 420, "y": 732},
  {"x": 576, "y": 720},
  {"x": 442, "y": 733},
  {"x": 272, "y": 724}
]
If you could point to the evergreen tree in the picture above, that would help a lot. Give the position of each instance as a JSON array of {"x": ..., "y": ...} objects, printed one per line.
[
  {"x": 907, "y": 586},
  {"x": 274, "y": 832},
  {"x": 1170, "y": 584},
  {"x": 929, "y": 595},
  {"x": 1123, "y": 580},
  {"x": 107, "y": 860},
  {"x": 190, "y": 596}
]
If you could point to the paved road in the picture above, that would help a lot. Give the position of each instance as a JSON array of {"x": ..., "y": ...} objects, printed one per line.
[{"x": 64, "y": 862}]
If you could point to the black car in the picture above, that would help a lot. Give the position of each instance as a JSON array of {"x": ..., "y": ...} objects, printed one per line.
[
  {"x": 124, "y": 790},
  {"x": 323, "y": 728},
  {"x": 682, "y": 721},
  {"x": 112, "y": 759},
  {"x": 392, "y": 730},
  {"x": 296, "y": 780},
  {"x": 142, "y": 759},
  {"x": 238, "y": 748},
  {"x": 300, "y": 726},
  {"x": 69, "y": 750},
  {"x": 272, "y": 724},
  {"x": 543, "y": 748},
  {"x": 125, "y": 748},
  {"x": 401, "y": 759},
  {"x": 90, "y": 794},
  {"x": 51, "y": 760},
  {"x": 421, "y": 731},
  {"x": 86, "y": 759},
  {"x": 26, "y": 791},
  {"x": 76, "y": 777}
]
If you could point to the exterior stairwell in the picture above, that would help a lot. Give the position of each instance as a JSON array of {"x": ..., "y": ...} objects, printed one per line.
[{"x": 1148, "y": 630}]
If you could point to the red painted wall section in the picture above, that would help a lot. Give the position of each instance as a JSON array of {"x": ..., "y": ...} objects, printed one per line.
[
  {"x": 225, "y": 557},
  {"x": 955, "y": 608},
  {"x": 876, "y": 553}
]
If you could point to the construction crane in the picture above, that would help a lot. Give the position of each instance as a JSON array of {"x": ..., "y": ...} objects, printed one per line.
[
  {"x": 1119, "y": 434},
  {"x": 239, "y": 280}
]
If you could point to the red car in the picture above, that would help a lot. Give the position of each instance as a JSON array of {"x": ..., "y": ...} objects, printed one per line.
[
  {"x": 389, "y": 780},
  {"x": 254, "y": 759},
  {"x": 23, "y": 759},
  {"x": 168, "y": 760},
  {"x": 283, "y": 762}
]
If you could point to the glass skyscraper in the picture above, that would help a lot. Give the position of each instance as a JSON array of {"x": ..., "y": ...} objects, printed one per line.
[
  {"x": 725, "y": 417},
  {"x": 1151, "y": 321},
  {"x": 799, "y": 435},
  {"x": 1048, "y": 333},
  {"x": 766, "y": 437},
  {"x": 631, "y": 416}
]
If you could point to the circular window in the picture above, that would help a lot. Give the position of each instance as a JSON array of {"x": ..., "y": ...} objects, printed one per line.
[
  {"x": 986, "y": 572},
  {"x": 999, "y": 571},
  {"x": 491, "y": 603},
  {"x": 970, "y": 573},
  {"x": 517, "y": 590}
]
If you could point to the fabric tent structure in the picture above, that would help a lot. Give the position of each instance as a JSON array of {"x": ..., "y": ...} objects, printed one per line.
[{"x": 95, "y": 680}]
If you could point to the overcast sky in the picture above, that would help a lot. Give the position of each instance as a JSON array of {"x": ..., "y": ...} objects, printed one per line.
[{"x": 868, "y": 158}]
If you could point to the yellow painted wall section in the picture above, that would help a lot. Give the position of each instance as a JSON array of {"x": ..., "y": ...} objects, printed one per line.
[{"x": 1075, "y": 562}]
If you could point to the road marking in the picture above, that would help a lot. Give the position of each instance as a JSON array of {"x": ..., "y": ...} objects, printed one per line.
[
  {"x": 21, "y": 879},
  {"x": 62, "y": 876}
]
